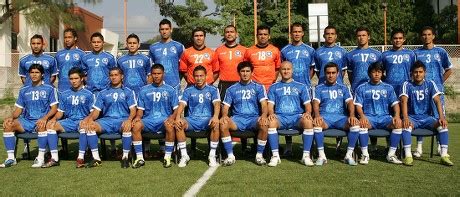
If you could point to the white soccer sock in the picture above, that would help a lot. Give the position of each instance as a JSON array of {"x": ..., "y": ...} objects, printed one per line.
[
  {"x": 183, "y": 148},
  {"x": 11, "y": 155},
  {"x": 212, "y": 152},
  {"x": 95, "y": 153},
  {"x": 306, "y": 154},
  {"x": 392, "y": 151},
  {"x": 407, "y": 151},
  {"x": 444, "y": 150},
  {"x": 321, "y": 153},
  {"x": 41, "y": 155},
  {"x": 349, "y": 153},
  {"x": 81, "y": 155},
  {"x": 55, "y": 155},
  {"x": 125, "y": 155},
  {"x": 419, "y": 146},
  {"x": 276, "y": 154},
  {"x": 364, "y": 151}
]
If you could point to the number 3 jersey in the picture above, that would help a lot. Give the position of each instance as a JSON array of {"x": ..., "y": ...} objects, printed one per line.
[
  {"x": 35, "y": 101},
  {"x": 76, "y": 104},
  {"x": 397, "y": 65},
  {"x": 436, "y": 61},
  {"x": 245, "y": 98},
  {"x": 375, "y": 99},
  {"x": 200, "y": 101},
  {"x": 420, "y": 97},
  {"x": 332, "y": 98},
  {"x": 115, "y": 102},
  {"x": 157, "y": 101},
  {"x": 289, "y": 97}
]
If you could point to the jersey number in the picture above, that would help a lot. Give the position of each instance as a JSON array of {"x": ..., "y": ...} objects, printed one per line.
[
  {"x": 287, "y": 90},
  {"x": 428, "y": 58},
  {"x": 397, "y": 59},
  {"x": 200, "y": 98},
  {"x": 97, "y": 63},
  {"x": 35, "y": 95},
  {"x": 330, "y": 56},
  {"x": 420, "y": 95},
  {"x": 67, "y": 56},
  {"x": 198, "y": 58},
  {"x": 262, "y": 55},
  {"x": 75, "y": 100},
  {"x": 376, "y": 94},
  {"x": 156, "y": 96},
  {"x": 333, "y": 94},
  {"x": 132, "y": 63},
  {"x": 115, "y": 96},
  {"x": 364, "y": 57},
  {"x": 246, "y": 94},
  {"x": 165, "y": 51}
]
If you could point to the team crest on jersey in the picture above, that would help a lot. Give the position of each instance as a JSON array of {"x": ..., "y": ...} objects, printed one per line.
[
  {"x": 165, "y": 94},
  {"x": 269, "y": 53},
  {"x": 122, "y": 95},
  {"x": 237, "y": 53},
  {"x": 384, "y": 93},
  {"x": 105, "y": 60},
  {"x": 43, "y": 94},
  {"x": 82, "y": 99},
  {"x": 140, "y": 62},
  {"x": 406, "y": 57},
  {"x": 437, "y": 57},
  {"x": 372, "y": 56},
  {"x": 206, "y": 55},
  {"x": 340, "y": 93},
  {"x": 338, "y": 54},
  {"x": 76, "y": 56},
  {"x": 305, "y": 52},
  {"x": 45, "y": 63},
  {"x": 173, "y": 49},
  {"x": 208, "y": 95}
]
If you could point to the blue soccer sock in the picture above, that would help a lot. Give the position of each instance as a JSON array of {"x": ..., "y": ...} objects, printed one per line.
[
  {"x": 53, "y": 144},
  {"x": 138, "y": 149},
  {"x": 93, "y": 145},
  {"x": 82, "y": 144},
  {"x": 261, "y": 146},
  {"x": 169, "y": 147},
  {"x": 273, "y": 140},
  {"x": 407, "y": 141},
  {"x": 395, "y": 138},
  {"x": 319, "y": 138},
  {"x": 126, "y": 141},
  {"x": 443, "y": 137},
  {"x": 364, "y": 140},
  {"x": 10, "y": 143},
  {"x": 227, "y": 141},
  {"x": 42, "y": 142},
  {"x": 353, "y": 136},
  {"x": 307, "y": 139}
]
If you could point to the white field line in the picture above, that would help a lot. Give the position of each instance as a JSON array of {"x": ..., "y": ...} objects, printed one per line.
[{"x": 195, "y": 188}]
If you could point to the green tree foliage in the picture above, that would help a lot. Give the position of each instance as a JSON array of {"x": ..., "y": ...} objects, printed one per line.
[{"x": 446, "y": 26}]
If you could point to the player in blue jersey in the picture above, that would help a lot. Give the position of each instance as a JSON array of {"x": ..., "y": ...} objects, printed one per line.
[
  {"x": 37, "y": 57},
  {"x": 397, "y": 61},
  {"x": 301, "y": 56},
  {"x": 333, "y": 108},
  {"x": 203, "y": 103},
  {"x": 418, "y": 112},
  {"x": 373, "y": 101},
  {"x": 359, "y": 59},
  {"x": 330, "y": 52},
  {"x": 97, "y": 65},
  {"x": 113, "y": 112},
  {"x": 74, "y": 105},
  {"x": 156, "y": 113},
  {"x": 287, "y": 100},
  {"x": 438, "y": 68},
  {"x": 35, "y": 105},
  {"x": 167, "y": 52},
  {"x": 135, "y": 65},
  {"x": 248, "y": 101},
  {"x": 68, "y": 58}
]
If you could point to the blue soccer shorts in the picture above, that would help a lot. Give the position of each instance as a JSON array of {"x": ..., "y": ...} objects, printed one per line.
[
  {"x": 335, "y": 121},
  {"x": 245, "y": 123},
  {"x": 69, "y": 125},
  {"x": 197, "y": 123},
  {"x": 110, "y": 125},
  {"x": 154, "y": 125},
  {"x": 27, "y": 124},
  {"x": 380, "y": 122},
  {"x": 289, "y": 121},
  {"x": 423, "y": 121}
]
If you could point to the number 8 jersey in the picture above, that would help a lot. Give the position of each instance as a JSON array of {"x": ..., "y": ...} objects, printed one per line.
[{"x": 375, "y": 99}]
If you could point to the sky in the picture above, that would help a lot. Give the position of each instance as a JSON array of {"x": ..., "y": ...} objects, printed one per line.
[{"x": 143, "y": 17}]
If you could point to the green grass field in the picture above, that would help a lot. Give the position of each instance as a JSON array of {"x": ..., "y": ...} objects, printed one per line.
[{"x": 426, "y": 178}]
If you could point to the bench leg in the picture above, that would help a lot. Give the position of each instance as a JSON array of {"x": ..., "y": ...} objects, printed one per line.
[
  {"x": 432, "y": 145},
  {"x": 103, "y": 149}
]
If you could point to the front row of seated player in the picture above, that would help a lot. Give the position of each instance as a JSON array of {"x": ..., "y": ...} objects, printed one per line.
[{"x": 288, "y": 106}]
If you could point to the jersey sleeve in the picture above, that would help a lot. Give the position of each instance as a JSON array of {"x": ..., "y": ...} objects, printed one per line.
[
  {"x": 20, "y": 102},
  {"x": 359, "y": 97},
  {"x": 84, "y": 66},
  {"x": 317, "y": 62},
  {"x": 445, "y": 60},
  {"x": 312, "y": 60},
  {"x": 347, "y": 62},
  {"x": 148, "y": 66},
  {"x": 112, "y": 62},
  {"x": 271, "y": 94},
  {"x": 404, "y": 90},
  {"x": 215, "y": 95},
  {"x": 185, "y": 97},
  {"x": 22, "y": 69},
  {"x": 53, "y": 97},
  {"x": 305, "y": 95},
  {"x": 132, "y": 102},
  {"x": 61, "y": 106},
  {"x": 434, "y": 90},
  {"x": 344, "y": 59},
  {"x": 215, "y": 62},
  {"x": 183, "y": 62},
  {"x": 277, "y": 58},
  {"x": 151, "y": 54},
  {"x": 99, "y": 103},
  {"x": 53, "y": 67},
  {"x": 174, "y": 100},
  {"x": 228, "y": 97},
  {"x": 141, "y": 101},
  {"x": 392, "y": 96},
  {"x": 347, "y": 94},
  {"x": 261, "y": 93}
]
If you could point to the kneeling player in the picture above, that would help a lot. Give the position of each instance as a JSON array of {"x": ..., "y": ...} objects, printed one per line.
[
  {"x": 245, "y": 97},
  {"x": 416, "y": 102},
  {"x": 285, "y": 101},
  {"x": 203, "y": 103},
  {"x": 36, "y": 104},
  {"x": 156, "y": 112},
  {"x": 373, "y": 100},
  {"x": 330, "y": 103},
  {"x": 75, "y": 104},
  {"x": 118, "y": 107}
]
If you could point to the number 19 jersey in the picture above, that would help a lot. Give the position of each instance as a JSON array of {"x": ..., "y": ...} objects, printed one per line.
[{"x": 157, "y": 101}]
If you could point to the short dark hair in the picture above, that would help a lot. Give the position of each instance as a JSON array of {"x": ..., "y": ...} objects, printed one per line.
[
  {"x": 37, "y": 36},
  {"x": 230, "y": 26},
  {"x": 165, "y": 22},
  {"x": 197, "y": 29},
  {"x": 157, "y": 66},
  {"x": 71, "y": 30},
  {"x": 296, "y": 24},
  {"x": 97, "y": 34},
  {"x": 199, "y": 67},
  {"x": 397, "y": 31},
  {"x": 133, "y": 35},
  {"x": 427, "y": 28},
  {"x": 363, "y": 29},
  {"x": 374, "y": 67},
  {"x": 330, "y": 27},
  {"x": 39, "y": 67},
  {"x": 263, "y": 27},
  {"x": 417, "y": 64},
  {"x": 76, "y": 70},
  {"x": 245, "y": 64},
  {"x": 118, "y": 69},
  {"x": 331, "y": 65}
]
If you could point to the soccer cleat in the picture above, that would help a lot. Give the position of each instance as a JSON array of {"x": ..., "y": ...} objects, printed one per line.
[
  {"x": 446, "y": 161},
  {"x": 364, "y": 160},
  {"x": 260, "y": 160},
  {"x": 350, "y": 161},
  {"x": 393, "y": 159},
  {"x": 306, "y": 160},
  {"x": 274, "y": 161},
  {"x": 50, "y": 164},
  {"x": 212, "y": 162},
  {"x": 408, "y": 161},
  {"x": 138, "y": 163},
  {"x": 229, "y": 161},
  {"x": 321, "y": 161},
  {"x": 183, "y": 161},
  {"x": 417, "y": 154},
  {"x": 167, "y": 162},
  {"x": 8, "y": 163},
  {"x": 80, "y": 163},
  {"x": 38, "y": 163},
  {"x": 94, "y": 163},
  {"x": 125, "y": 163}
]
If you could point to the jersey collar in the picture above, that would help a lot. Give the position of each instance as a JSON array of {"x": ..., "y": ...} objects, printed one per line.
[{"x": 199, "y": 49}]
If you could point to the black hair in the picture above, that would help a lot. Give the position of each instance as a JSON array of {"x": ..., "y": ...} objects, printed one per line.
[
  {"x": 133, "y": 35},
  {"x": 296, "y": 24},
  {"x": 375, "y": 67},
  {"x": 97, "y": 34},
  {"x": 76, "y": 70},
  {"x": 71, "y": 30},
  {"x": 165, "y": 22},
  {"x": 263, "y": 27},
  {"x": 363, "y": 29},
  {"x": 427, "y": 28},
  {"x": 245, "y": 64},
  {"x": 200, "y": 67},
  {"x": 157, "y": 66},
  {"x": 397, "y": 31},
  {"x": 197, "y": 30},
  {"x": 39, "y": 67},
  {"x": 331, "y": 65},
  {"x": 417, "y": 64},
  {"x": 37, "y": 36},
  {"x": 118, "y": 69}
]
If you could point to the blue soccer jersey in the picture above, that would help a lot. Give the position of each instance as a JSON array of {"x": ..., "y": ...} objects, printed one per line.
[
  {"x": 200, "y": 101},
  {"x": 288, "y": 98},
  {"x": 168, "y": 54},
  {"x": 358, "y": 61},
  {"x": 76, "y": 105},
  {"x": 397, "y": 66},
  {"x": 332, "y": 99},
  {"x": 324, "y": 55},
  {"x": 115, "y": 102},
  {"x": 158, "y": 101},
  {"x": 437, "y": 62},
  {"x": 48, "y": 62},
  {"x": 97, "y": 67},
  {"x": 136, "y": 68},
  {"x": 67, "y": 59},
  {"x": 375, "y": 99},
  {"x": 301, "y": 57},
  {"x": 35, "y": 101},
  {"x": 245, "y": 98},
  {"x": 420, "y": 97}
]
